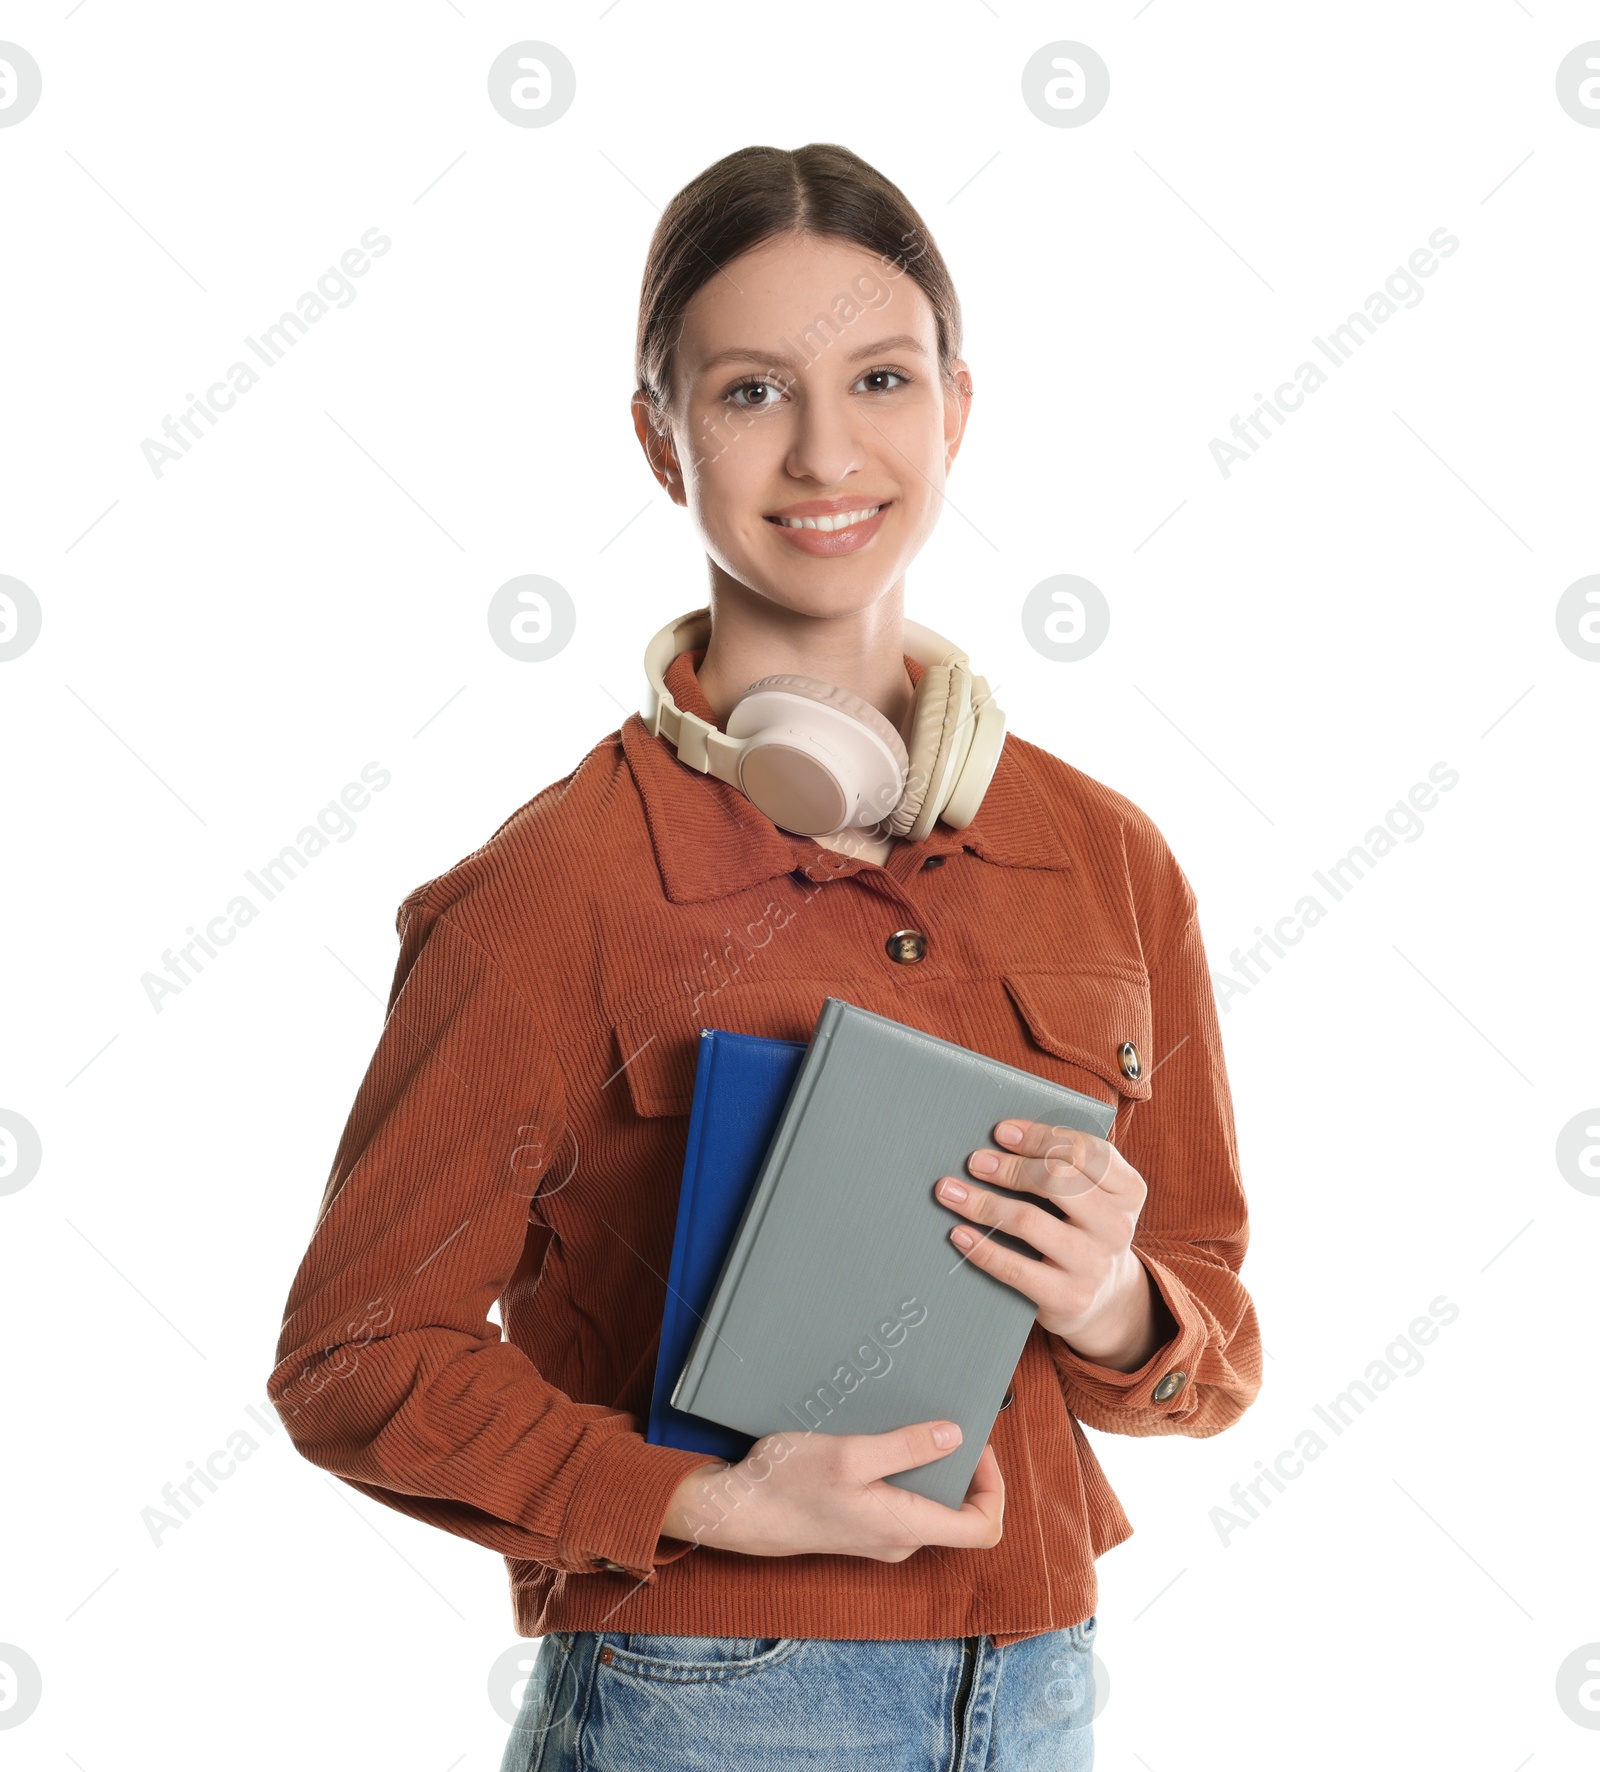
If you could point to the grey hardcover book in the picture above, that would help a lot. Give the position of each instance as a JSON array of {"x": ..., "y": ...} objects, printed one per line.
[{"x": 843, "y": 1306}]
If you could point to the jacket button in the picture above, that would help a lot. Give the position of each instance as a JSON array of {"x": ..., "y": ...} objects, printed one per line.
[
  {"x": 1170, "y": 1386},
  {"x": 1128, "y": 1058},
  {"x": 1009, "y": 1392},
  {"x": 606, "y": 1563},
  {"x": 907, "y": 946}
]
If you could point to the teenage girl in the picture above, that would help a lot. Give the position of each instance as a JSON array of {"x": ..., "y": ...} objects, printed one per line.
[{"x": 520, "y": 1131}]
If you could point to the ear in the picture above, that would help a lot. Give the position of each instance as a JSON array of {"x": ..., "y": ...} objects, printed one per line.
[
  {"x": 957, "y": 404},
  {"x": 655, "y": 439}
]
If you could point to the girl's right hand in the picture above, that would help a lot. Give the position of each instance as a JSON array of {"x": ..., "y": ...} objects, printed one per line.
[{"x": 794, "y": 1493}]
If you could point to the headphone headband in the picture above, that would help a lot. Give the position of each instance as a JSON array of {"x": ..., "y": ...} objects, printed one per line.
[{"x": 961, "y": 751}]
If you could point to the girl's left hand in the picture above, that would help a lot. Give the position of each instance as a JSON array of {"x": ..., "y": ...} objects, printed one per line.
[{"x": 1092, "y": 1290}]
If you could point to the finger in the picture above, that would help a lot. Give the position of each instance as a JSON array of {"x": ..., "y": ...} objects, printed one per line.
[
  {"x": 1058, "y": 1160},
  {"x": 1053, "y": 1174},
  {"x": 1039, "y": 1280},
  {"x": 987, "y": 1483},
  {"x": 976, "y": 1523},
  {"x": 1064, "y": 1194},
  {"x": 1042, "y": 1230},
  {"x": 901, "y": 1449},
  {"x": 986, "y": 1493}
]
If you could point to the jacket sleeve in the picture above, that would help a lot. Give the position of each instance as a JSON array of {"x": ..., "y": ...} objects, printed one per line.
[
  {"x": 390, "y": 1374},
  {"x": 1193, "y": 1229}
]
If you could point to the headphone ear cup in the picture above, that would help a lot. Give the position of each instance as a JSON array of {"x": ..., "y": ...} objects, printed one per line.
[
  {"x": 922, "y": 746},
  {"x": 831, "y": 695},
  {"x": 981, "y": 761},
  {"x": 840, "y": 764},
  {"x": 941, "y": 730}
]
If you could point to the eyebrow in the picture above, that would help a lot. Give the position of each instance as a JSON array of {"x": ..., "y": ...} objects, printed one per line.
[{"x": 899, "y": 341}]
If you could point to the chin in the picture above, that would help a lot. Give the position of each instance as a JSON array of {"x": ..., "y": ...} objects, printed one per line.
[{"x": 826, "y": 593}]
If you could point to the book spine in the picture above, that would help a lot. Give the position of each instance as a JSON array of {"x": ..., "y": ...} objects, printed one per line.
[
  {"x": 706, "y": 1342},
  {"x": 682, "y": 1235},
  {"x": 689, "y": 1190}
]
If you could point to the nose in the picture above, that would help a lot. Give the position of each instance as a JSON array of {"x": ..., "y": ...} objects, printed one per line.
[{"x": 825, "y": 443}]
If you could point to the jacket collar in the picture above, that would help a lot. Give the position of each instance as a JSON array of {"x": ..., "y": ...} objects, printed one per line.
[{"x": 709, "y": 840}]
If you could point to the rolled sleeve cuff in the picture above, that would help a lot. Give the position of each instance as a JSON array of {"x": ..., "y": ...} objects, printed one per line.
[
  {"x": 1165, "y": 1383},
  {"x": 612, "y": 1523}
]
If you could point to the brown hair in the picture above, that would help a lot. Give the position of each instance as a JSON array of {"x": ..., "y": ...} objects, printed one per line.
[{"x": 748, "y": 196}]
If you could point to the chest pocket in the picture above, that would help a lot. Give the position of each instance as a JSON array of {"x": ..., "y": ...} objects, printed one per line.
[
  {"x": 1094, "y": 1022},
  {"x": 658, "y": 1044}
]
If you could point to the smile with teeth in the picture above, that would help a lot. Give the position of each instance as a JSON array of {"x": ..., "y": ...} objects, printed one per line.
[{"x": 843, "y": 520}]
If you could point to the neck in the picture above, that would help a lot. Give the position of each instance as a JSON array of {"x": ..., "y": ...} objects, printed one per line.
[{"x": 751, "y": 637}]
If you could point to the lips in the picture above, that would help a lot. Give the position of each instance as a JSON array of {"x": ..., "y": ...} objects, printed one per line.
[
  {"x": 829, "y": 527},
  {"x": 798, "y": 517}
]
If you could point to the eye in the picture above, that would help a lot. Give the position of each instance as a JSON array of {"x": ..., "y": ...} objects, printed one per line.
[
  {"x": 878, "y": 375},
  {"x": 770, "y": 383}
]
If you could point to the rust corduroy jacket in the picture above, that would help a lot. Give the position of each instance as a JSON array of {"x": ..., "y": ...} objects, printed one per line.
[{"x": 520, "y": 1131}]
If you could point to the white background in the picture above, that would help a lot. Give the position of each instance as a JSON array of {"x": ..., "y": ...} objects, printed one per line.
[{"x": 1291, "y": 648}]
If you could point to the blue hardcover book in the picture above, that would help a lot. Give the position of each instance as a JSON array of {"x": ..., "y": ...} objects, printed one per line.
[{"x": 741, "y": 1083}]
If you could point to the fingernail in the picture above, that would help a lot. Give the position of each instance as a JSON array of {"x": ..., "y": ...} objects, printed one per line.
[
  {"x": 962, "y": 1237},
  {"x": 948, "y": 1434},
  {"x": 984, "y": 1163},
  {"x": 951, "y": 1189},
  {"x": 1009, "y": 1130}
]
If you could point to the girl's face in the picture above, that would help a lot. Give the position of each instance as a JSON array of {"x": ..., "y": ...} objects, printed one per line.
[{"x": 807, "y": 385}]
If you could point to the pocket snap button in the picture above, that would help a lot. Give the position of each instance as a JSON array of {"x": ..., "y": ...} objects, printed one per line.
[{"x": 1128, "y": 1058}]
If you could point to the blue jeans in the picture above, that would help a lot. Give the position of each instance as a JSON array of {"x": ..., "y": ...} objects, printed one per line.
[{"x": 618, "y": 1701}]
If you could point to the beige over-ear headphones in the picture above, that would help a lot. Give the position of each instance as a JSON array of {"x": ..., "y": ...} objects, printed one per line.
[{"x": 816, "y": 758}]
